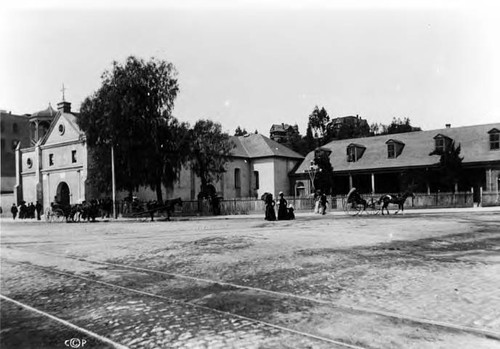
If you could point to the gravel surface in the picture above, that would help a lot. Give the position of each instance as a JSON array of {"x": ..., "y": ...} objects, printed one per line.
[{"x": 440, "y": 267}]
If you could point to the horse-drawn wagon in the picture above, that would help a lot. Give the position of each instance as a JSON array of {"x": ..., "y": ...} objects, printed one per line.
[{"x": 355, "y": 204}]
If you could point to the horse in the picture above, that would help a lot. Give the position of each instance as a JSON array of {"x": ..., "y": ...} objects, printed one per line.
[
  {"x": 390, "y": 199},
  {"x": 168, "y": 207}
]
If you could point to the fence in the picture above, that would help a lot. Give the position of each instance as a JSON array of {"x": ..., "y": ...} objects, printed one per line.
[
  {"x": 490, "y": 199},
  {"x": 242, "y": 206}
]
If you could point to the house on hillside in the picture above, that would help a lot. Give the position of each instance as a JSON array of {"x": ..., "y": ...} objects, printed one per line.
[
  {"x": 393, "y": 163},
  {"x": 283, "y": 133}
]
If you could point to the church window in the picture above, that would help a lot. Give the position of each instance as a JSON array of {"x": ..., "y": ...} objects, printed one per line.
[
  {"x": 494, "y": 139},
  {"x": 237, "y": 178},
  {"x": 256, "y": 177},
  {"x": 51, "y": 159},
  {"x": 29, "y": 163},
  {"x": 73, "y": 156},
  {"x": 61, "y": 129}
]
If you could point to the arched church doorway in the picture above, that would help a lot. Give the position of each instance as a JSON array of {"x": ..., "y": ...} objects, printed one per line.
[{"x": 62, "y": 196}]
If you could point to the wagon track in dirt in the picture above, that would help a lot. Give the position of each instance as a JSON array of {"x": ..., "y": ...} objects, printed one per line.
[
  {"x": 222, "y": 286},
  {"x": 263, "y": 325}
]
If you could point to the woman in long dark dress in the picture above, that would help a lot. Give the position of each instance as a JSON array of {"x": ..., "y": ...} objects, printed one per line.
[
  {"x": 282, "y": 208},
  {"x": 270, "y": 214}
]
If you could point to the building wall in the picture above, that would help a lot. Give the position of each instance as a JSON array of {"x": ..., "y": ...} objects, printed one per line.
[
  {"x": 282, "y": 167},
  {"x": 265, "y": 167},
  {"x": 29, "y": 186},
  {"x": 73, "y": 178},
  {"x": 14, "y": 129}
]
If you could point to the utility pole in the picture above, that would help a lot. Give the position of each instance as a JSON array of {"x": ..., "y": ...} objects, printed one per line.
[{"x": 113, "y": 184}]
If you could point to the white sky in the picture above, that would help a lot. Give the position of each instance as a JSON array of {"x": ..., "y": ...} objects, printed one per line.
[{"x": 255, "y": 63}]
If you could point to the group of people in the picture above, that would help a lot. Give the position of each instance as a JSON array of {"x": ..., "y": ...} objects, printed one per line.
[
  {"x": 27, "y": 211},
  {"x": 285, "y": 211},
  {"x": 320, "y": 202}
]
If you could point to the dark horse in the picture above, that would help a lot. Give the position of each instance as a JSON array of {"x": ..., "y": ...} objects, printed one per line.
[
  {"x": 168, "y": 207},
  {"x": 392, "y": 199}
]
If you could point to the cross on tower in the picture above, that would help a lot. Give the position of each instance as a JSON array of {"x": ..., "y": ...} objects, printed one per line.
[{"x": 62, "y": 90}]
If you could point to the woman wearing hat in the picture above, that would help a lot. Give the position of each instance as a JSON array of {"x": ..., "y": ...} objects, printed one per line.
[
  {"x": 270, "y": 215},
  {"x": 282, "y": 207}
]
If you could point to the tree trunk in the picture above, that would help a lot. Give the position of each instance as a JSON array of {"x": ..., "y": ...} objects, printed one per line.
[{"x": 159, "y": 194}]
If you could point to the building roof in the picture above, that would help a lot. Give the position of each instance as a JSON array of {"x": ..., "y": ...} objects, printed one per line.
[
  {"x": 280, "y": 127},
  {"x": 259, "y": 146},
  {"x": 474, "y": 142},
  {"x": 48, "y": 112},
  {"x": 71, "y": 119}
]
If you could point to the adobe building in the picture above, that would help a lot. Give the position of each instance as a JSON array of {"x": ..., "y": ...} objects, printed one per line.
[
  {"x": 258, "y": 165},
  {"x": 396, "y": 162},
  {"x": 55, "y": 167}
]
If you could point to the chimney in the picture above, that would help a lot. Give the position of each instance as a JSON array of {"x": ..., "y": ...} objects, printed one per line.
[
  {"x": 448, "y": 125},
  {"x": 64, "y": 107}
]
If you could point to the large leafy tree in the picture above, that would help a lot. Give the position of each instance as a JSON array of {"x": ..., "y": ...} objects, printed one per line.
[
  {"x": 210, "y": 150},
  {"x": 132, "y": 111},
  {"x": 324, "y": 176},
  {"x": 318, "y": 121},
  {"x": 240, "y": 132},
  {"x": 450, "y": 166}
]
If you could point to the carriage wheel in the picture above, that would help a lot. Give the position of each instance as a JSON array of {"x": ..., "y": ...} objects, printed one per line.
[
  {"x": 373, "y": 208},
  {"x": 58, "y": 215},
  {"x": 48, "y": 215},
  {"x": 354, "y": 209}
]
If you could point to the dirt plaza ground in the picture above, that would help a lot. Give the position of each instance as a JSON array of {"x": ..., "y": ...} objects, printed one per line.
[{"x": 426, "y": 279}]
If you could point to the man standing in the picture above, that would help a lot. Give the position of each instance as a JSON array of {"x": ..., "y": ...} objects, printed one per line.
[
  {"x": 323, "y": 202},
  {"x": 14, "y": 210},
  {"x": 38, "y": 208}
]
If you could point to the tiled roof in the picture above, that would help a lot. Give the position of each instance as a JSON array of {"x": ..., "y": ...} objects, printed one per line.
[
  {"x": 474, "y": 141},
  {"x": 49, "y": 111},
  {"x": 258, "y": 146}
]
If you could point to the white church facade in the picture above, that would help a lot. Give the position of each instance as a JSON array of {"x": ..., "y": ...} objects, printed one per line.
[{"x": 56, "y": 168}]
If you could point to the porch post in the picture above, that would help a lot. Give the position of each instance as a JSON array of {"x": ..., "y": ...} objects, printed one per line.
[
  {"x": 350, "y": 181},
  {"x": 373, "y": 183}
]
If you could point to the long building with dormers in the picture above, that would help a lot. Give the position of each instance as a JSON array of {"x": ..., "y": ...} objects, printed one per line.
[{"x": 393, "y": 163}]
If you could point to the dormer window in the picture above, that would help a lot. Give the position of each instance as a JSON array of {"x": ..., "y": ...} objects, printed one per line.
[
  {"x": 494, "y": 139},
  {"x": 441, "y": 143},
  {"x": 355, "y": 152},
  {"x": 394, "y": 148}
]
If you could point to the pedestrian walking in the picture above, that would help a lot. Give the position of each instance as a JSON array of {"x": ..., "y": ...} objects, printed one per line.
[
  {"x": 323, "y": 203},
  {"x": 282, "y": 207},
  {"x": 22, "y": 210},
  {"x": 14, "y": 211},
  {"x": 38, "y": 208}
]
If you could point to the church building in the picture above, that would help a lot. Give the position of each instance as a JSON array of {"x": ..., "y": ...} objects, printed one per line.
[{"x": 55, "y": 167}]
